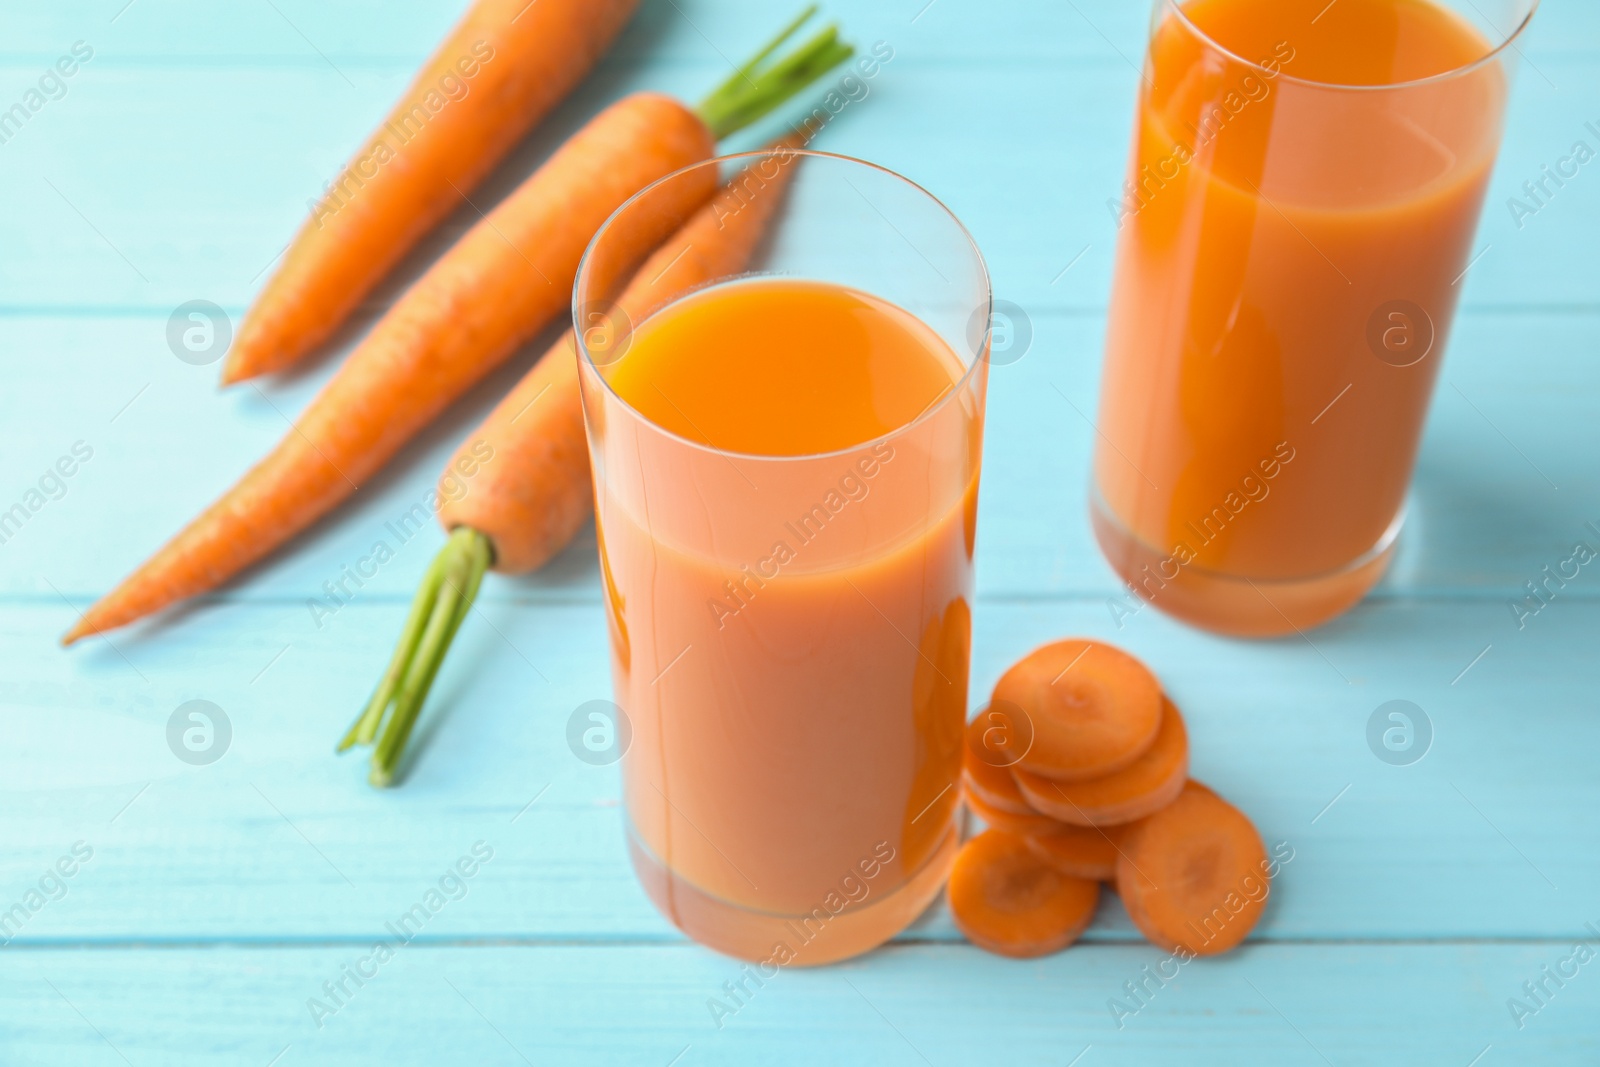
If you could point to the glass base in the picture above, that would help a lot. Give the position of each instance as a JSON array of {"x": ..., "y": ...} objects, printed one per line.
[
  {"x": 812, "y": 939},
  {"x": 1232, "y": 604}
]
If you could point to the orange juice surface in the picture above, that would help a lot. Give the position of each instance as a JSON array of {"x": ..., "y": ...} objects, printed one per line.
[
  {"x": 788, "y": 583},
  {"x": 783, "y": 368},
  {"x": 1286, "y": 273}
]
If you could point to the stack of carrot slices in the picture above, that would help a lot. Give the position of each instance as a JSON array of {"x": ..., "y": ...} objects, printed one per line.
[{"x": 1080, "y": 767}]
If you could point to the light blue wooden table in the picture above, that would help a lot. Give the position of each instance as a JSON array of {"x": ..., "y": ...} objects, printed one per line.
[{"x": 207, "y": 904}]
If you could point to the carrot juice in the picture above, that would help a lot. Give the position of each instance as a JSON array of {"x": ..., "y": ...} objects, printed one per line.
[
  {"x": 786, "y": 485},
  {"x": 1299, "y": 209}
]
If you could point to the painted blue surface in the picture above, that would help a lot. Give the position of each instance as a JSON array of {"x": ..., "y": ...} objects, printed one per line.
[{"x": 219, "y": 898}]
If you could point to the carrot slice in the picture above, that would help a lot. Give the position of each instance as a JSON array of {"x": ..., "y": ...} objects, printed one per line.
[
  {"x": 1031, "y": 825},
  {"x": 1147, "y": 785},
  {"x": 1193, "y": 876},
  {"x": 1094, "y": 708},
  {"x": 1009, "y": 901},
  {"x": 1081, "y": 851},
  {"x": 990, "y": 752}
]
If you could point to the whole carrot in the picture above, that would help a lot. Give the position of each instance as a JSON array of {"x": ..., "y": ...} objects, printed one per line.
[
  {"x": 507, "y": 277},
  {"x": 506, "y": 64},
  {"x": 533, "y": 493}
]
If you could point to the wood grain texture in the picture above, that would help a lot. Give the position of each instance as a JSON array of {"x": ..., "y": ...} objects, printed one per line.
[
  {"x": 1486, "y": 837},
  {"x": 218, "y": 899},
  {"x": 1506, "y": 430},
  {"x": 1420, "y": 1005}
]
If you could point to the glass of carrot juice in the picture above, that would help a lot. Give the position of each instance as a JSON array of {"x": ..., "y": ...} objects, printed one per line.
[
  {"x": 785, "y": 459},
  {"x": 1297, "y": 219}
]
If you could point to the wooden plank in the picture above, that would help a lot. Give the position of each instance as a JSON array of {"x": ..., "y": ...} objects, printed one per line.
[
  {"x": 203, "y": 199},
  {"x": 357, "y": 32},
  {"x": 1414, "y": 1004},
  {"x": 1488, "y": 836},
  {"x": 219, "y": 898},
  {"x": 1485, "y": 517}
]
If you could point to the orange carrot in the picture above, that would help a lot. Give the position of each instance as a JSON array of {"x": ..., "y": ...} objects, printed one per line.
[
  {"x": 1094, "y": 708},
  {"x": 1194, "y": 876},
  {"x": 529, "y": 461},
  {"x": 1007, "y": 900},
  {"x": 1030, "y": 825},
  {"x": 536, "y": 494},
  {"x": 987, "y": 760},
  {"x": 1080, "y": 851},
  {"x": 499, "y": 285},
  {"x": 1146, "y": 785},
  {"x": 506, "y": 64},
  {"x": 503, "y": 280}
]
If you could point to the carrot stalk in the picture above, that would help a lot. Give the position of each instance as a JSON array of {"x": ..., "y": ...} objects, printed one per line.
[
  {"x": 748, "y": 95},
  {"x": 750, "y": 66},
  {"x": 534, "y": 494},
  {"x": 507, "y": 277},
  {"x": 504, "y": 66},
  {"x": 465, "y": 559},
  {"x": 366, "y": 727}
]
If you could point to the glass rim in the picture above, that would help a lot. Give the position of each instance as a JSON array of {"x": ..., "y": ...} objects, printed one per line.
[
  {"x": 1493, "y": 55},
  {"x": 586, "y": 358}
]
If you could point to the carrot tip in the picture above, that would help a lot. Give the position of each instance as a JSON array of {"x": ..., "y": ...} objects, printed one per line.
[{"x": 232, "y": 374}]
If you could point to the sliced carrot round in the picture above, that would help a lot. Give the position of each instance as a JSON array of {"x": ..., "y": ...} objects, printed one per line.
[
  {"x": 1193, "y": 876},
  {"x": 986, "y": 763},
  {"x": 1023, "y": 825},
  {"x": 1148, "y": 784},
  {"x": 1094, "y": 708},
  {"x": 1009, "y": 901},
  {"x": 1081, "y": 851}
]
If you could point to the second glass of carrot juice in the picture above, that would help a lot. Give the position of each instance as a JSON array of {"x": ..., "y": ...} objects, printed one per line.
[
  {"x": 786, "y": 473},
  {"x": 1297, "y": 219}
]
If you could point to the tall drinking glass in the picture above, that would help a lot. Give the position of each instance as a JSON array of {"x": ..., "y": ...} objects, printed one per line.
[
  {"x": 786, "y": 531},
  {"x": 1298, "y": 215}
]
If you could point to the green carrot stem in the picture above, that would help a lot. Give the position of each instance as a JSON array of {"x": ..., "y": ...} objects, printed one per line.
[
  {"x": 466, "y": 558},
  {"x": 751, "y": 92},
  {"x": 365, "y": 727},
  {"x": 755, "y": 61}
]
